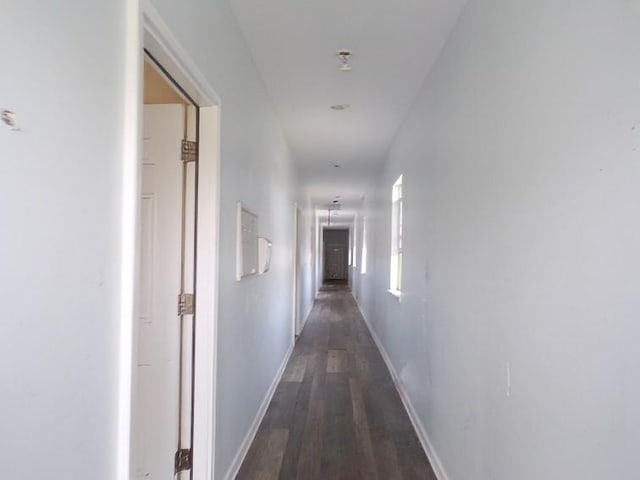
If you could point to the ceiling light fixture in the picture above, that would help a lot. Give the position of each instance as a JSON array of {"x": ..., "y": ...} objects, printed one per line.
[
  {"x": 345, "y": 56},
  {"x": 340, "y": 107}
]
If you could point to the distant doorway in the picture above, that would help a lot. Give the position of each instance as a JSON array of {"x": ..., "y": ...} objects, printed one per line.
[{"x": 336, "y": 254}]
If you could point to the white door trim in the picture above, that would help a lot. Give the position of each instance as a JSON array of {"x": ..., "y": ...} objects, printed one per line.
[
  {"x": 146, "y": 29},
  {"x": 130, "y": 215},
  {"x": 160, "y": 41}
]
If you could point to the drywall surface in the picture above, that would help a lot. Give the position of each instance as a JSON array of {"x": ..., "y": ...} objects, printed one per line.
[
  {"x": 60, "y": 190},
  {"x": 255, "y": 327},
  {"x": 516, "y": 336}
]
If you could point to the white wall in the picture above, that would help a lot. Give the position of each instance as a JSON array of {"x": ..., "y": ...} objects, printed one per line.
[
  {"x": 255, "y": 328},
  {"x": 521, "y": 163},
  {"x": 62, "y": 73}
]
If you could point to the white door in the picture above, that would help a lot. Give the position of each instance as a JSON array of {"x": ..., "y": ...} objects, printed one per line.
[{"x": 157, "y": 416}]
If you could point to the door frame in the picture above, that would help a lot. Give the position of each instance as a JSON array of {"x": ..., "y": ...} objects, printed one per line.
[
  {"x": 145, "y": 29},
  {"x": 296, "y": 272}
]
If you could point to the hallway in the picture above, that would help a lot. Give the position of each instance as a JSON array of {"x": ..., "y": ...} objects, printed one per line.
[
  {"x": 336, "y": 413},
  {"x": 470, "y": 166}
]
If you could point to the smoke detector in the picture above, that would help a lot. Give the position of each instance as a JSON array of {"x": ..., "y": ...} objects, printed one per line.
[{"x": 345, "y": 56}]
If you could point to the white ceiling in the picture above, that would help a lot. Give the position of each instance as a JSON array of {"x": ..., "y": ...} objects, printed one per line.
[{"x": 295, "y": 45}]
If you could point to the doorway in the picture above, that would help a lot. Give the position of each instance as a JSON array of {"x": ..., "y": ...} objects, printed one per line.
[
  {"x": 148, "y": 34},
  {"x": 163, "y": 422},
  {"x": 298, "y": 265},
  {"x": 335, "y": 248}
]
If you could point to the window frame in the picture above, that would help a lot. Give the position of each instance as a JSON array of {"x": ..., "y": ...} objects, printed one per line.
[
  {"x": 354, "y": 244},
  {"x": 364, "y": 252},
  {"x": 395, "y": 270}
]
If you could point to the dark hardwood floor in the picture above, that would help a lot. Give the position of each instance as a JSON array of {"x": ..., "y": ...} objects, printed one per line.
[{"x": 336, "y": 413}]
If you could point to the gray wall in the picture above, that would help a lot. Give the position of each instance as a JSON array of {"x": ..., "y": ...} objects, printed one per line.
[{"x": 516, "y": 337}]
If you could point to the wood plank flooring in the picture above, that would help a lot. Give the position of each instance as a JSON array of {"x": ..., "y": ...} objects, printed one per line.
[{"x": 336, "y": 414}]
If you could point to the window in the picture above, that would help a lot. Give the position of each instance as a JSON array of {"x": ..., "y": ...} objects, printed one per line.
[
  {"x": 395, "y": 273},
  {"x": 363, "y": 256},
  {"x": 354, "y": 245}
]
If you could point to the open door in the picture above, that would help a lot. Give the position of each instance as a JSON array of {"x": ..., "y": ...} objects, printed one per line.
[{"x": 163, "y": 415}]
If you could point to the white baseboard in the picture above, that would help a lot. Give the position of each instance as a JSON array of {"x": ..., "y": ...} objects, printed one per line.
[
  {"x": 427, "y": 446},
  {"x": 306, "y": 317},
  {"x": 251, "y": 434}
]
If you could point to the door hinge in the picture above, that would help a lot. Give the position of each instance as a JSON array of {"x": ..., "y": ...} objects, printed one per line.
[
  {"x": 189, "y": 151},
  {"x": 183, "y": 460},
  {"x": 185, "y": 304}
]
